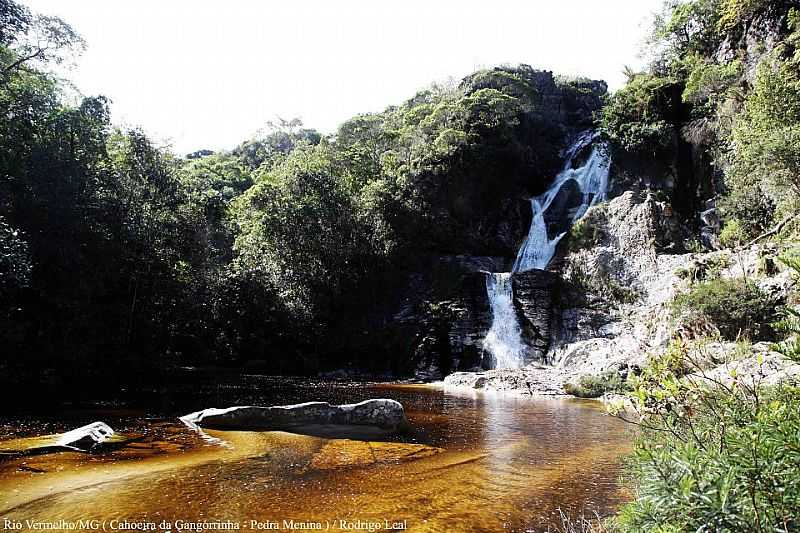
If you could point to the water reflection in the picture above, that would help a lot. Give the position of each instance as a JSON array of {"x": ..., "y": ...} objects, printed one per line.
[{"x": 473, "y": 462}]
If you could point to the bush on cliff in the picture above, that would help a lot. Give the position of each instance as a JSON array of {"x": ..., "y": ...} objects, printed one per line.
[
  {"x": 638, "y": 117},
  {"x": 594, "y": 386},
  {"x": 714, "y": 455},
  {"x": 736, "y": 307}
]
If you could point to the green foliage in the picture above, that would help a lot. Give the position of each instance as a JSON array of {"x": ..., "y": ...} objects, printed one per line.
[
  {"x": 721, "y": 459},
  {"x": 594, "y": 386},
  {"x": 732, "y": 235},
  {"x": 706, "y": 268},
  {"x": 508, "y": 81},
  {"x": 748, "y": 131},
  {"x": 598, "y": 287},
  {"x": 715, "y": 452},
  {"x": 638, "y": 116},
  {"x": 735, "y": 12},
  {"x": 738, "y": 308},
  {"x": 748, "y": 208},
  {"x": 709, "y": 81},
  {"x": 765, "y": 165},
  {"x": 687, "y": 27},
  {"x": 15, "y": 265},
  {"x": 587, "y": 231},
  {"x": 789, "y": 325},
  {"x": 274, "y": 145},
  {"x": 300, "y": 231}
]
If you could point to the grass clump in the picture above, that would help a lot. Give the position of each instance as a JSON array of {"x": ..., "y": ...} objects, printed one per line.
[
  {"x": 588, "y": 231},
  {"x": 736, "y": 307},
  {"x": 594, "y": 386}
]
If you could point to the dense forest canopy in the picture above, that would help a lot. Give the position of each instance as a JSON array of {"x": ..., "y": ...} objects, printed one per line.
[{"x": 120, "y": 258}]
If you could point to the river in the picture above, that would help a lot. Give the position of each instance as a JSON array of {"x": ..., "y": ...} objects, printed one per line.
[{"x": 471, "y": 462}]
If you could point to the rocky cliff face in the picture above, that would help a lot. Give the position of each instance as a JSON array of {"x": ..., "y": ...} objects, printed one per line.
[
  {"x": 448, "y": 332},
  {"x": 611, "y": 301},
  {"x": 535, "y": 295}
]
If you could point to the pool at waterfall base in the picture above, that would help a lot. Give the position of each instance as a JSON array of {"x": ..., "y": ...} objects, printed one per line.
[{"x": 470, "y": 462}]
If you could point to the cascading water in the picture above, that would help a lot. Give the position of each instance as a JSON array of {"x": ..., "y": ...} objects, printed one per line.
[
  {"x": 592, "y": 180},
  {"x": 504, "y": 339}
]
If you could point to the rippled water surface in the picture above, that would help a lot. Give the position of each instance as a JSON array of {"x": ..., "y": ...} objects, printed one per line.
[{"x": 471, "y": 462}]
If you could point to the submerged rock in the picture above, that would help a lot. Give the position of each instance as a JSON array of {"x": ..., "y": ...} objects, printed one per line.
[
  {"x": 386, "y": 415},
  {"x": 343, "y": 453}
]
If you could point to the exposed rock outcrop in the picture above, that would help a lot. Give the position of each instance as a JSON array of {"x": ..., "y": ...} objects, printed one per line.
[
  {"x": 383, "y": 414},
  {"x": 532, "y": 380},
  {"x": 535, "y": 295},
  {"x": 761, "y": 368},
  {"x": 613, "y": 308},
  {"x": 618, "y": 329}
]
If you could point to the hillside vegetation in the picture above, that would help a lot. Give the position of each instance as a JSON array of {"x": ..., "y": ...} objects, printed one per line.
[
  {"x": 718, "y": 111},
  {"x": 714, "y": 122},
  {"x": 121, "y": 259}
]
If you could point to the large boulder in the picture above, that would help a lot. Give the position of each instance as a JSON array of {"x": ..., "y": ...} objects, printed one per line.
[
  {"x": 87, "y": 437},
  {"x": 385, "y": 415}
]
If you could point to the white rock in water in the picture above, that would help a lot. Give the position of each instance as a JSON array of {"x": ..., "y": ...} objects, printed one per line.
[
  {"x": 382, "y": 413},
  {"x": 87, "y": 437}
]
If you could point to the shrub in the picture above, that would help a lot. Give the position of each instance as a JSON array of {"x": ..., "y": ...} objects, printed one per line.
[
  {"x": 737, "y": 308},
  {"x": 750, "y": 209},
  {"x": 637, "y": 117},
  {"x": 715, "y": 459},
  {"x": 587, "y": 231},
  {"x": 789, "y": 325},
  {"x": 710, "y": 267},
  {"x": 714, "y": 455},
  {"x": 594, "y": 386},
  {"x": 732, "y": 234}
]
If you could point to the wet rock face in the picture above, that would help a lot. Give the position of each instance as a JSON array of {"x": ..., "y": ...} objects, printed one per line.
[
  {"x": 383, "y": 414},
  {"x": 467, "y": 331},
  {"x": 445, "y": 315},
  {"x": 559, "y": 215},
  {"x": 469, "y": 319},
  {"x": 535, "y": 294}
]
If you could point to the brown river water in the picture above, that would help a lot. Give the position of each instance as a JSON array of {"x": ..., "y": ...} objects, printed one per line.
[{"x": 471, "y": 462}]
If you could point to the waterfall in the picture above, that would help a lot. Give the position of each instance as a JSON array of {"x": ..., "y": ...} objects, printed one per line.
[
  {"x": 504, "y": 339},
  {"x": 592, "y": 180}
]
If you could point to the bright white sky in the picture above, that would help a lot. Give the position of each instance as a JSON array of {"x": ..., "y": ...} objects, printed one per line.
[{"x": 209, "y": 74}]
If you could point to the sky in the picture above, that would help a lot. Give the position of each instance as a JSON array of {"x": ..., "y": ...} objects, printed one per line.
[{"x": 209, "y": 74}]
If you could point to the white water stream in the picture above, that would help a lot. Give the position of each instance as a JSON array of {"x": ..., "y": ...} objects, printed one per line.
[{"x": 504, "y": 340}]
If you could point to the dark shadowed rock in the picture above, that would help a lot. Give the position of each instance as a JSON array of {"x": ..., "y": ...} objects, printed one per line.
[
  {"x": 559, "y": 215},
  {"x": 535, "y": 294},
  {"x": 386, "y": 415}
]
